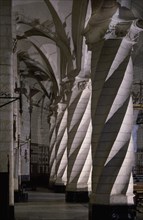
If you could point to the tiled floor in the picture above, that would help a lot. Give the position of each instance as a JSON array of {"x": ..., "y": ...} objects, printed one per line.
[{"x": 45, "y": 205}]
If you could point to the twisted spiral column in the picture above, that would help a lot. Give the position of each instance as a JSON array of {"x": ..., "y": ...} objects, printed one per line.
[
  {"x": 79, "y": 141},
  {"x": 62, "y": 161},
  {"x": 112, "y": 120},
  {"x": 52, "y": 153},
  {"x": 58, "y": 143},
  {"x": 61, "y": 144}
]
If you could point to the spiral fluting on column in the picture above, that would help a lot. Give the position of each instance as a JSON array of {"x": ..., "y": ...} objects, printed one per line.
[
  {"x": 112, "y": 120},
  {"x": 61, "y": 172},
  {"x": 61, "y": 144},
  {"x": 52, "y": 139},
  {"x": 84, "y": 181},
  {"x": 79, "y": 136},
  {"x": 58, "y": 143}
]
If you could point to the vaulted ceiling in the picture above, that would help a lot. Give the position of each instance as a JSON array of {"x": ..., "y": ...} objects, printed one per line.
[{"x": 50, "y": 37}]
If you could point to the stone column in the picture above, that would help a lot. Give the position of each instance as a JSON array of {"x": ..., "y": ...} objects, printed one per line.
[
  {"x": 25, "y": 134},
  {"x": 62, "y": 136},
  {"x": 79, "y": 141},
  {"x": 112, "y": 121},
  {"x": 16, "y": 115},
  {"x": 61, "y": 144},
  {"x": 52, "y": 150},
  {"x": 6, "y": 113}
]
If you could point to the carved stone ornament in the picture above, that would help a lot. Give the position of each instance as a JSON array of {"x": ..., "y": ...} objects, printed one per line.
[
  {"x": 98, "y": 23},
  {"x": 82, "y": 83},
  {"x": 135, "y": 30},
  {"x": 4, "y": 94},
  {"x": 122, "y": 28},
  {"x": 61, "y": 107},
  {"x": 66, "y": 87}
]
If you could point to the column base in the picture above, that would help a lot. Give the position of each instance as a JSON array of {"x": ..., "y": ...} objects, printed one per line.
[
  {"x": 58, "y": 188},
  {"x": 20, "y": 196},
  {"x": 77, "y": 197},
  {"x": 112, "y": 212},
  {"x": 17, "y": 196},
  {"x": 8, "y": 214},
  {"x": 51, "y": 185},
  {"x": 11, "y": 213},
  {"x": 4, "y": 195}
]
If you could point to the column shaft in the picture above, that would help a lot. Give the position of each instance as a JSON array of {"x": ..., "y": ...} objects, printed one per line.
[{"x": 6, "y": 113}]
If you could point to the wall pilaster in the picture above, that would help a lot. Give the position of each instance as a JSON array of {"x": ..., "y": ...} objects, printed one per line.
[{"x": 6, "y": 112}]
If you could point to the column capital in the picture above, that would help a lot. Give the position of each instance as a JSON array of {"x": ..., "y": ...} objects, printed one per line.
[
  {"x": 61, "y": 107},
  {"x": 135, "y": 30},
  {"x": 82, "y": 83},
  {"x": 99, "y": 22}
]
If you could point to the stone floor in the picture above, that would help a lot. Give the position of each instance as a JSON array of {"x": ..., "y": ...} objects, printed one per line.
[{"x": 46, "y": 205}]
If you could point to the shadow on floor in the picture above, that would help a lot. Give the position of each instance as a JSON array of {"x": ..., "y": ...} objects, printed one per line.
[{"x": 46, "y": 205}]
